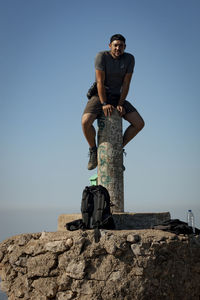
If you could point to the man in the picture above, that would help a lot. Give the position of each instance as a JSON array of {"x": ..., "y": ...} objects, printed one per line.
[{"x": 114, "y": 71}]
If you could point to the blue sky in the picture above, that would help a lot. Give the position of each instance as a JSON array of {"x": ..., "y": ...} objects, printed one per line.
[{"x": 46, "y": 67}]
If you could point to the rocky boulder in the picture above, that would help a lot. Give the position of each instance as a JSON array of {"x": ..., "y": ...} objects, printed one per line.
[{"x": 126, "y": 265}]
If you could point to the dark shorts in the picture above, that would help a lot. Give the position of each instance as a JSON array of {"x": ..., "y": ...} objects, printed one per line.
[{"x": 94, "y": 106}]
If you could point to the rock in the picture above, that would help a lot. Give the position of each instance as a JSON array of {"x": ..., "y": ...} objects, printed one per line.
[
  {"x": 8, "y": 273},
  {"x": 40, "y": 265},
  {"x": 133, "y": 238},
  {"x": 123, "y": 265},
  {"x": 34, "y": 247},
  {"x": 69, "y": 242},
  {"x": 5, "y": 286},
  {"x": 136, "y": 249},
  {"x": 11, "y": 248},
  {"x": 65, "y": 295},
  {"x": 64, "y": 282},
  {"x": 138, "y": 271},
  {"x": 1, "y": 256},
  {"x": 57, "y": 246},
  {"x": 21, "y": 262},
  {"x": 34, "y": 295},
  {"x": 46, "y": 286},
  {"x": 14, "y": 255},
  {"x": 101, "y": 267},
  {"x": 43, "y": 235},
  {"x": 110, "y": 247},
  {"x": 75, "y": 269},
  {"x": 79, "y": 244},
  {"x": 24, "y": 239},
  {"x": 115, "y": 276}
]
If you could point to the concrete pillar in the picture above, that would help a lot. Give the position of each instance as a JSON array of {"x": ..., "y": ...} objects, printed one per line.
[{"x": 110, "y": 158}]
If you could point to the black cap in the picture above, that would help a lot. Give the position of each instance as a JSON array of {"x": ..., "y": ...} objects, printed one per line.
[{"x": 117, "y": 37}]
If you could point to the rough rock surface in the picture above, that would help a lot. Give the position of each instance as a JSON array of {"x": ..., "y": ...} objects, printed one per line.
[{"x": 126, "y": 265}]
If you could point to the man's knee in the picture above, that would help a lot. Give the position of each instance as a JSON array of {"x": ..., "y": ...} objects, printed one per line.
[
  {"x": 140, "y": 125},
  {"x": 87, "y": 120},
  {"x": 135, "y": 120}
]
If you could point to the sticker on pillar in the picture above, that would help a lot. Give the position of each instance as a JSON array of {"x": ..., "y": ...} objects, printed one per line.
[
  {"x": 102, "y": 155},
  {"x": 104, "y": 179}
]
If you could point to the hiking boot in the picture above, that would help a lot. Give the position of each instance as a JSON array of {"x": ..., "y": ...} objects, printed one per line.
[{"x": 92, "y": 164}]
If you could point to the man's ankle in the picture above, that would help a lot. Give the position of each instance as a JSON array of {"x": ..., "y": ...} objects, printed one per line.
[
  {"x": 92, "y": 164},
  {"x": 93, "y": 148}
]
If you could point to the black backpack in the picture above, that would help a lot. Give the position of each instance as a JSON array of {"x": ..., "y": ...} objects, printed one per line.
[{"x": 95, "y": 209}]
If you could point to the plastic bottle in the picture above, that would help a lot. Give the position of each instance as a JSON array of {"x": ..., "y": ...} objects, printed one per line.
[{"x": 190, "y": 219}]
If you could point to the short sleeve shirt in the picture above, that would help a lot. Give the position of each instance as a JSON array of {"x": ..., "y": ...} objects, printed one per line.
[{"x": 115, "y": 69}]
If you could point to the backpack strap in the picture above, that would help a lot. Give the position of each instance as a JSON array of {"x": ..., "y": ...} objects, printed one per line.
[
  {"x": 99, "y": 205},
  {"x": 74, "y": 225},
  {"x": 97, "y": 234},
  {"x": 86, "y": 197}
]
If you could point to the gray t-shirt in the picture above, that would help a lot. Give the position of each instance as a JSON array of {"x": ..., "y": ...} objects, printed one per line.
[{"x": 115, "y": 69}]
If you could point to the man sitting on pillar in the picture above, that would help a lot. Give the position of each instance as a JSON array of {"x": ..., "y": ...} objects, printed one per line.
[{"x": 114, "y": 71}]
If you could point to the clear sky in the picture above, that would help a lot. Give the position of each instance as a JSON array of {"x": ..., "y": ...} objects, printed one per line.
[{"x": 47, "y": 51}]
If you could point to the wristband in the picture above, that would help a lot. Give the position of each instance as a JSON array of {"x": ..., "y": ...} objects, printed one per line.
[{"x": 104, "y": 104}]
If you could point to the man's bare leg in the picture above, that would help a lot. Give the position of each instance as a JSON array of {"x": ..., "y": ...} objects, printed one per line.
[
  {"x": 90, "y": 134},
  {"x": 88, "y": 129},
  {"x": 136, "y": 124}
]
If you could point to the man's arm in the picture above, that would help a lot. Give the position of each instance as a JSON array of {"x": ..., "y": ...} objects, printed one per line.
[
  {"x": 100, "y": 78},
  {"x": 125, "y": 88}
]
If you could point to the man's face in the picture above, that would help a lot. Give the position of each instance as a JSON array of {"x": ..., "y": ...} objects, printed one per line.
[{"x": 117, "y": 48}]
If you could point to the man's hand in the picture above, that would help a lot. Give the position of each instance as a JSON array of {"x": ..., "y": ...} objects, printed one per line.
[
  {"x": 121, "y": 110},
  {"x": 108, "y": 109}
]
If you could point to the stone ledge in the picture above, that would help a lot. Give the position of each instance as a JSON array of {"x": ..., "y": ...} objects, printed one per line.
[{"x": 123, "y": 221}]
